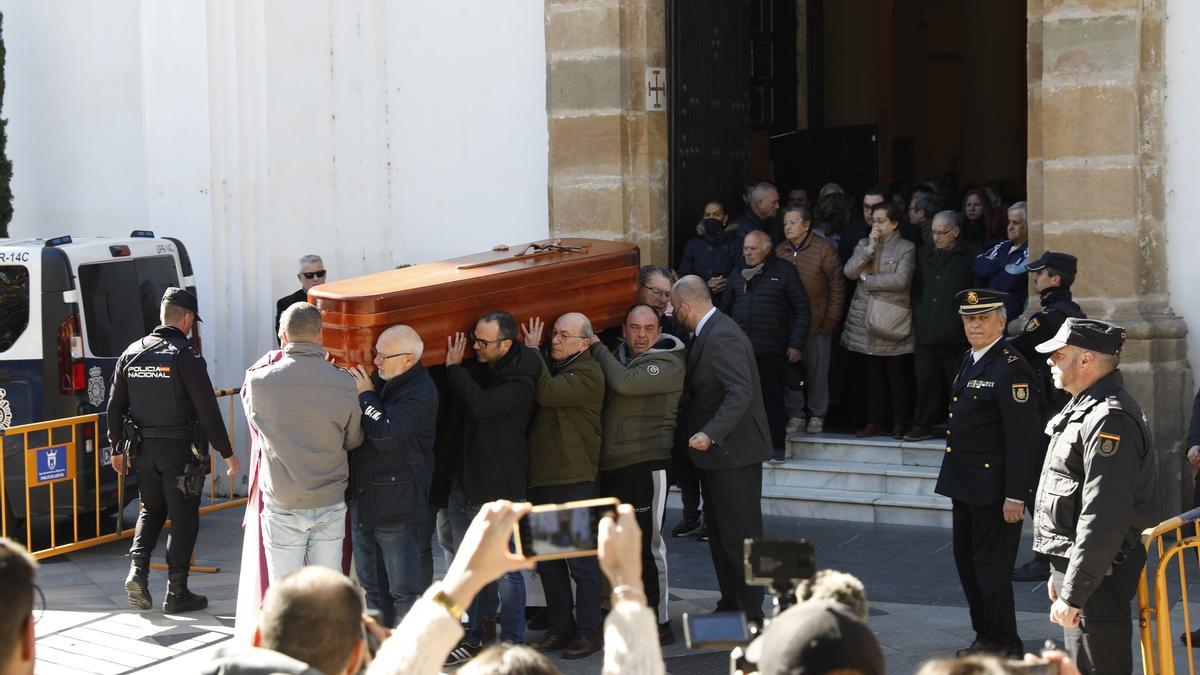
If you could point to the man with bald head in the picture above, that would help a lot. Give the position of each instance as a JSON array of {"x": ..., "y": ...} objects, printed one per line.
[
  {"x": 726, "y": 426},
  {"x": 391, "y": 474},
  {"x": 304, "y": 416},
  {"x": 564, "y": 460},
  {"x": 766, "y": 298}
]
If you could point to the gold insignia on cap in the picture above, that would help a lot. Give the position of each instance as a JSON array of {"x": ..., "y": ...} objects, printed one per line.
[
  {"x": 972, "y": 298},
  {"x": 1020, "y": 392}
]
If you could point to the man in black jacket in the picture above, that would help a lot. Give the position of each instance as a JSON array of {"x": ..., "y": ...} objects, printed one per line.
[
  {"x": 312, "y": 273},
  {"x": 726, "y": 427},
  {"x": 767, "y": 300},
  {"x": 391, "y": 474},
  {"x": 483, "y": 455}
]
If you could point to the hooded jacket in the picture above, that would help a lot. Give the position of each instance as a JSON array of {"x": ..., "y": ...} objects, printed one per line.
[
  {"x": 564, "y": 440},
  {"x": 641, "y": 402}
]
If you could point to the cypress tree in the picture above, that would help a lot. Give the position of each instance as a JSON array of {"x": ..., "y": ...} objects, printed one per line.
[{"x": 6, "y": 196}]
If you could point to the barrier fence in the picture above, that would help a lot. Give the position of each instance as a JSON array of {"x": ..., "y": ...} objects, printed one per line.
[
  {"x": 1166, "y": 546},
  {"x": 53, "y": 478}
]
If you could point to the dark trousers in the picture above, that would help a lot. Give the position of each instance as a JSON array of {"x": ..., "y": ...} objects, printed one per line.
[
  {"x": 734, "y": 513},
  {"x": 888, "y": 383},
  {"x": 160, "y": 465},
  {"x": 1100, "y": 642},
  {"x": 936, "y": 366},
  {"x": 684, "y": 474},
  {"x": 646, "y": 492},
  {"x": 770, "y": 378},
  {"x": 985, "y": 549},
  {"x": 556, "y": 575}
]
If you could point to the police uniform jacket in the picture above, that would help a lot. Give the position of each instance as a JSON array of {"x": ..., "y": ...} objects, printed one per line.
[
  {"x": 994, "y": 430},
  {"x": 1057, "y": 307},
  {"x": 162, "y": 381},
  {"x": 1098, "y": 487}
]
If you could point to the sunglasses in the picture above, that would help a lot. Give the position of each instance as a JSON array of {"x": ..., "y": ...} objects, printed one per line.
[{"x": 319, "y": 274}]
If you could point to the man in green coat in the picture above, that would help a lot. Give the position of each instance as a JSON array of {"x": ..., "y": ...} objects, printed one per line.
[
  {"x": 564, "y": 458},
  {"x": 644, "y": 378}
]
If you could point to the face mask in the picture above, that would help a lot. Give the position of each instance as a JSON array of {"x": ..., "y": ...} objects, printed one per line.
[{"x": 712, "y": 226}]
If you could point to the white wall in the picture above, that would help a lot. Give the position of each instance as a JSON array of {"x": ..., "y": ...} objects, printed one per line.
[
  {"x": 373, "y": 133},
  {"x": 1183, "y": 166}
]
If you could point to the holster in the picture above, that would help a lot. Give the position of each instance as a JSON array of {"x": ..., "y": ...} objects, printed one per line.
[
  {"x": 131, "y": 438},
  {"x": 191, "y": 482}
]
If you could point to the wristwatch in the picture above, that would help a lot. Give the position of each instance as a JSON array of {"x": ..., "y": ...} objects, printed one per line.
[{"x": 448, "y": 604}]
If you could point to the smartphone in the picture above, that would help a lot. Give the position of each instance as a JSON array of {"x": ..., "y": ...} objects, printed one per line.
[
  {"x": 718, "y": 630},
  {"x": 557, "y": 531}
]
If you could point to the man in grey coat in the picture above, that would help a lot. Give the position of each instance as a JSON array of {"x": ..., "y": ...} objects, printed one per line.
[
  {"x": 304, "y": 412},
  {"x": 728, "y": 437}
]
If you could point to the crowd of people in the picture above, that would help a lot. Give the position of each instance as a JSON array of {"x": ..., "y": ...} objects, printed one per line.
[{"x": 773, "y": 320}]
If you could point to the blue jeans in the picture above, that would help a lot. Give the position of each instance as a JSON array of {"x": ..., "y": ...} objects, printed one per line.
[
  {"x": 388, "y": 559},
  {"x": 292, "y": 539},
  {"x": 508, "y": 592}
]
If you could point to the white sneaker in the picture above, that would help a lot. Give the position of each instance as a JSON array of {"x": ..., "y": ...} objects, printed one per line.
[
  {"x": 816, "y": 425},
  {"x": 794, "y": 425}
]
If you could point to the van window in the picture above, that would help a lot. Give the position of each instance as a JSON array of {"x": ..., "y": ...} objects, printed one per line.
[
  {"x": 121, "y": 298},
  {"x": 14, "y": 304}
]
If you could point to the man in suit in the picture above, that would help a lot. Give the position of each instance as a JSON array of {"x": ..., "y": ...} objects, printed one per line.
[
  {"x": 312, "y": 273},
  {"x": 989, "y": 469},
  {"x": 728, "y": 438}
]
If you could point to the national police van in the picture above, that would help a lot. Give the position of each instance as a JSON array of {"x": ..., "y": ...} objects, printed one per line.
[{"x": 68, "y": 308}]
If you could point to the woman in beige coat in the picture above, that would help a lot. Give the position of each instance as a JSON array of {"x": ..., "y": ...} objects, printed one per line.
[{"x": 879, "y": 323}]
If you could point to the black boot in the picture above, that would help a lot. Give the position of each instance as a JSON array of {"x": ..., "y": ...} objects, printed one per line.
[
  {"x": 137, "y": 585},
  {"x": 1037, "y": 569},
  {"x": 179, "y": 599}
]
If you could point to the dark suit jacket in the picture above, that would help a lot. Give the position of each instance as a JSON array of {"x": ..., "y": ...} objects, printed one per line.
[
  {"x": 724, "y": 398},
  {"x": 995, "y": 434},
  {"x": 285, "y": 302}
]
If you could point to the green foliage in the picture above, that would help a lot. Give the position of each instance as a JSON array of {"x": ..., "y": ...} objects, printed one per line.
[{"x": 6, "y": 196}]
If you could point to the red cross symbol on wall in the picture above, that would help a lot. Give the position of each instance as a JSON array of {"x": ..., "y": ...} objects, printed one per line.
[{"x": 655, "y": 90}]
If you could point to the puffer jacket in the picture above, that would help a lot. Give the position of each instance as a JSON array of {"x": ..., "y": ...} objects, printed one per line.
[
  {"x": 642, "y": 402},
  {"x": 772, "y": 309},
  {"x": 709, "y": 255},
  {"x": 821, "y": 273},
  {"x": 564, "y": 439},
  {"x": 889, "y": 273}
]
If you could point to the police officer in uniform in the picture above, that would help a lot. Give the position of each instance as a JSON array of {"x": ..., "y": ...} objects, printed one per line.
[
  {"x": 1098, "y": 492},
  {"x": 162, "y": 394},
  {"x": 989, "y": 468},
  {"x": 1053, "y": 275}
]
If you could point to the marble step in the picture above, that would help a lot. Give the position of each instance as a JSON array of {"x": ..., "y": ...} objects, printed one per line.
[
  {"x": 851, "y": 505},
  {"x": 876, "y": 450},
  {"x": 892, "y": 479}
]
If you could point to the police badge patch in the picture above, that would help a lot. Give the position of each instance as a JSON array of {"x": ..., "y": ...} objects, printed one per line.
[
  {"x": 1032, "y": 325},
  {"x": 1109, "y": 443},
  {"x": 1020, "y": 392},
  {"x": 95, "y": 387}
]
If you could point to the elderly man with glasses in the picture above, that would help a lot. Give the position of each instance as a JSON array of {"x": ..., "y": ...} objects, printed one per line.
[
  {"x": 312, "y": 273},
  {"x": 482, "y": 454},
  {"x": 564, "y": 454},
  {"x": 391, "y": 474}
]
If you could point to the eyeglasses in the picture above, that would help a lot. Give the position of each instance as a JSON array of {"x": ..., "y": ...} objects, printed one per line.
[
  {"x": 477, "y": 341},
  {"x": 942, "y": 233},
  {"x": 385, "y": 357},
  {"x": 656, "y": 292},
  {"x": 319, "y": 274},
  {"x": 564, "y": 336}
]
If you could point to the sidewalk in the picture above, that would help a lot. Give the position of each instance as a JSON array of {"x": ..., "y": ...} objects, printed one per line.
[{"x": 917, "y": 609}]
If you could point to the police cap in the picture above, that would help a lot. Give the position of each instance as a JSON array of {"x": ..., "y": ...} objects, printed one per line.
[
  {"x": 1059, "y": 262},
  {"x": 181, "y": 298},
  {"x": 1090, "y": 334},
  {"x": 979, "y": 301}
]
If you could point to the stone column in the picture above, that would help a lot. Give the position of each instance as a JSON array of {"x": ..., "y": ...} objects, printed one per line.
[
  {"x": 1095, "y": 184},
  {"x": 608, "y": 154}
]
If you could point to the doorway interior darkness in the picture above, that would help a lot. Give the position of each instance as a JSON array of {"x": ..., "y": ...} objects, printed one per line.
[{"x": 801, "y": 92}]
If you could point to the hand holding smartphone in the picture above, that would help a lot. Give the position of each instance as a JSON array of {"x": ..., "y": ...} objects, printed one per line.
[{"x": 559, "y": 531}]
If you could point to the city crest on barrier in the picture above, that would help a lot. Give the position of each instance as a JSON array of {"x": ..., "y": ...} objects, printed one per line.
[{"x": 5, "y": 410}]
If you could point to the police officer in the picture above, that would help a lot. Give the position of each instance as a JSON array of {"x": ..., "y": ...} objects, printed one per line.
[
  {"x": 989, "y": 468},
  {"x": 1053, "y": 275},
  {"x": 1097, "y": 493},
  {"x": 161, "y": 392}
]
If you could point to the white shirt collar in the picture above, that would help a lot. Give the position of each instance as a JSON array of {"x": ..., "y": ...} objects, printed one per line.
[
  {"x": 703, "y": 320},
  {"x": 977, "y": 354}
]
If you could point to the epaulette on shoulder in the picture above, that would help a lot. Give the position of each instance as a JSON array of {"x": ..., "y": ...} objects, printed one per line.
[
  {"x": 1113, "y": 402},
  {"x": 193, "y": 351}
]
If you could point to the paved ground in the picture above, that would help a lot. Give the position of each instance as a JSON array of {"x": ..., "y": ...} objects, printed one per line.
[{"x": 917, "y": 607}]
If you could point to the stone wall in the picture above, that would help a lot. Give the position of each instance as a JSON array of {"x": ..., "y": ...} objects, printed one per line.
[
  {"x": 1095, "y": 184},
  {"x": 608, "y": 154}
]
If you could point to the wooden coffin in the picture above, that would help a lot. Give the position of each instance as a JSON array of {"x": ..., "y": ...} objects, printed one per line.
[{"x": 545, "y": 279}]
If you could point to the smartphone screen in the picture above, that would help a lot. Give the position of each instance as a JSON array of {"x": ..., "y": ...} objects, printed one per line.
[
  {"x": 719, "y": 629},
  {"x": 570, "y": 530}
]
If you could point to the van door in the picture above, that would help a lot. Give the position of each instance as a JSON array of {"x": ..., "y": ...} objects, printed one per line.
[{"x": 20, "y": 373}]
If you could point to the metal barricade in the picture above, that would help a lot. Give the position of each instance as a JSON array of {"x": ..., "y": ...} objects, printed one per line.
[
  {"x": 1169, "y": 540},
  {"x": 52, "y": 471}
]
